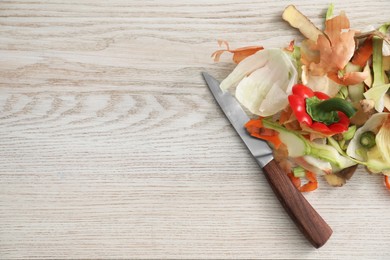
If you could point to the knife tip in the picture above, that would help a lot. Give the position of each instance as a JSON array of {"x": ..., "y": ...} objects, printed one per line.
[{"x": 207, "y": 77}]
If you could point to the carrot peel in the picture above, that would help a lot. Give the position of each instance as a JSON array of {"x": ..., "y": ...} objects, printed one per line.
[
  {"x": 255, "y": 128},
  {"x": 363, "y": 53},
  {"x": 312, "y": 183},
  {"x": 310, "y": 186},
  {"x": 387, "y": 182},
  {"x": 311, "y": 177},
  {"x": 295, "y": 180}
]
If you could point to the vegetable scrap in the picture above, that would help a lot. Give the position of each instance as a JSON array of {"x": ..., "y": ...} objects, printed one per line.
[
  {"x": 323, "y": 105},
  {"x": 315, "y": 110},
  {"x": 238, "y": 54}
]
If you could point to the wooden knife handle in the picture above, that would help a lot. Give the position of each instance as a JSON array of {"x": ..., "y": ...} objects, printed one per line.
[{"x": 311, "y": 224}]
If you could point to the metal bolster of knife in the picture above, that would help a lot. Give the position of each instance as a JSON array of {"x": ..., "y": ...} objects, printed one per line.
[{"x": 263, "y": 158}]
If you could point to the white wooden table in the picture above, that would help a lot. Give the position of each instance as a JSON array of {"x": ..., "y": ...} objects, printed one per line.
[{"x": 111, "y": 145}]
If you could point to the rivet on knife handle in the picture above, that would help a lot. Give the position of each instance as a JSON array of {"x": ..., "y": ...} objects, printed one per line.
[{"x": 302, "y": 213}]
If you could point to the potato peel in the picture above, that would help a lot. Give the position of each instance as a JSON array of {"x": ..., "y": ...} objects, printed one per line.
[
  {"x": 298, "y": 20},
  {"x": 334, "y": 180}
]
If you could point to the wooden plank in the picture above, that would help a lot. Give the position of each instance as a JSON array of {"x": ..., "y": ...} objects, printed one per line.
[{"x": 111, "y": 145}]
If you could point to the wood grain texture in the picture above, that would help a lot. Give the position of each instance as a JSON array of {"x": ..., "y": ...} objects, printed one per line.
[
  {"x": 307, "y": 219},
  {"x": 111, "y": 145}
]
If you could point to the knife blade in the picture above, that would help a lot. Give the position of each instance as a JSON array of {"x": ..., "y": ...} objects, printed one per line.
[{"x": 309, "y": 222}]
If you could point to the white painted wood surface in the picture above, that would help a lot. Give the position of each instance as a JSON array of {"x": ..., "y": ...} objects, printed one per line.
[{"x": 111, "y": 145}]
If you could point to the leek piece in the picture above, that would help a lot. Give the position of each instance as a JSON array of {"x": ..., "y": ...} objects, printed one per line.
[
  {"x": 348, "y": 135},
  {"x": 377, "y": 94},
  {"x": 299, "y": 172},
  {"x": 355, "y": 150},
  {"x": 377, "y": 58},
  {"x": 335, "y": 144},
  {"x": 297, "y": 146},
  {"x": 379, "y": 87},
  {"x": 329, "y": 12},
  {"x": 367, "y": 139},
  {"x": 356, "y": 92},
  {"x": 343, "y": 92},
  {"x": 383, "y": 139}
]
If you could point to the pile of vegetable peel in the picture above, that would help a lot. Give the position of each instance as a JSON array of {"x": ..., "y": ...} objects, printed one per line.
[{"x": 323, "y": 104}]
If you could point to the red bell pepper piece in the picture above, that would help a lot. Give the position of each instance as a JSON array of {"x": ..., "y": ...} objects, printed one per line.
[{"x": 297, "y": 100}]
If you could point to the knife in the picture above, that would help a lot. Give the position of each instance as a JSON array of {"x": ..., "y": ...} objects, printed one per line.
[{"x": 309, "y": 222}]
